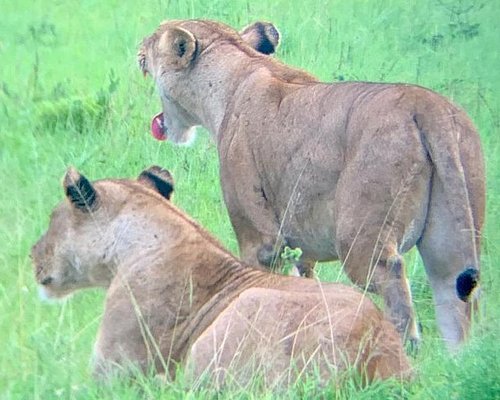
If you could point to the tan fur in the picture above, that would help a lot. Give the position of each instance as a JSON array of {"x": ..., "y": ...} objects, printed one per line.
[
  {"x": 355, "y": 171},
  {"x": 174, "y": 295}
]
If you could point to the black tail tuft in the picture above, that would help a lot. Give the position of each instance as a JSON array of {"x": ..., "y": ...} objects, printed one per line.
[{"x": 466, "y": 282}]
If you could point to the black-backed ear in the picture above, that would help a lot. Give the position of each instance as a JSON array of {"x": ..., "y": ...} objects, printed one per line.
[
  {"x": 262, "y": 36},
  {"x": 180, "y": 46},
  {"x": 158, "y": 179},
  {"x": 80, "y": 191}
]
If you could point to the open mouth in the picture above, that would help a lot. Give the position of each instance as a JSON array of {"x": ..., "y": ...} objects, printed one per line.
[{"x": 158, "y": 127}]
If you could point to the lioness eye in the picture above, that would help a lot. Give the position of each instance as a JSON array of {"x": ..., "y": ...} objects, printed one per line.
[{"x": 142, "y": 64}]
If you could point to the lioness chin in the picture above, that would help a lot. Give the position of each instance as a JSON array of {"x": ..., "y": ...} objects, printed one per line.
[
  {"x": 176, "y": 297},
  {"x": 356, "y": 171}
]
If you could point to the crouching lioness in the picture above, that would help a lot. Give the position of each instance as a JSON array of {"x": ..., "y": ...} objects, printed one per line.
[
  {"x": 356, "y": 171},
  {"x": 174, "y": 295}
]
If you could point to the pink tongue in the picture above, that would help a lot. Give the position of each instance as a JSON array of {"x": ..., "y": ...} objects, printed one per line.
[{"x": 157, "y": 127}]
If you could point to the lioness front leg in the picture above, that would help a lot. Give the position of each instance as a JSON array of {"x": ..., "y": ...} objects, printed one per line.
[
  {"x": 256, "y": 247},
  {"x": 124, "y": 343},
  {"x": 271, "y": 256},
  {"x": 254, "y": 221},
  {"x": 306, "y": 268},
  {"x": 119, "y": 348}
]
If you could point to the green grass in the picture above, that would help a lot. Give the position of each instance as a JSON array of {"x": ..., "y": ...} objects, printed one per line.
[{"x": 79, "y": 57}]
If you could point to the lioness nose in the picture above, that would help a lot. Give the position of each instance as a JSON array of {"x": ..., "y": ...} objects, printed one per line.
[{"x": 46, "y": 281}]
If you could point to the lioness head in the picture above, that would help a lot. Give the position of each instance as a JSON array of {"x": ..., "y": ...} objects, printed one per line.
[
  {"x": 70, "y": 256},
  {"x": 170, "y": 53}
]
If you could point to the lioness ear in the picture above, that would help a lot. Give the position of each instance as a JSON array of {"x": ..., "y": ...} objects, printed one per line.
[
  {"x": 180, "y": 45},
  {"x": 262, "y": 36},
  {"x": 80, "y": 191},
  {"x": 158, "y": 179}
]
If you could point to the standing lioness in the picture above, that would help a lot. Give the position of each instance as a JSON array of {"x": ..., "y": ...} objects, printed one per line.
[
  {"x": 175, "y": 296},
  {"x": 357, "y": 171}
]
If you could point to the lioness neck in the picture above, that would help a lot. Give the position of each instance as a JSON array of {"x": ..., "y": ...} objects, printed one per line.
[
  {"x": 165, "y": 240},
  {"x": 217, "y": 87}
]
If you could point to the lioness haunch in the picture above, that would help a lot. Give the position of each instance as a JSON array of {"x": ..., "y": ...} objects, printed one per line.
[
  {"x": 356, "y": 171},
  {"x": 175, "y": 295}
]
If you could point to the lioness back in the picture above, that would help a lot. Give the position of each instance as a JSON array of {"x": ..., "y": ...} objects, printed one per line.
[{"x": 276, "y": 334}]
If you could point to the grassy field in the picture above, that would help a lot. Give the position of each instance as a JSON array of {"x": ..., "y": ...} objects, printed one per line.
[{"x": 70, "y": 93}]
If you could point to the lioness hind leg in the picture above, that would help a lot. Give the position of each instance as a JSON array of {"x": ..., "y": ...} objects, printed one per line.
[
  {"x": 370, "y": 256},
  {"x": 382, "y": 271},
  {"x": 388, "y": 278}
]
